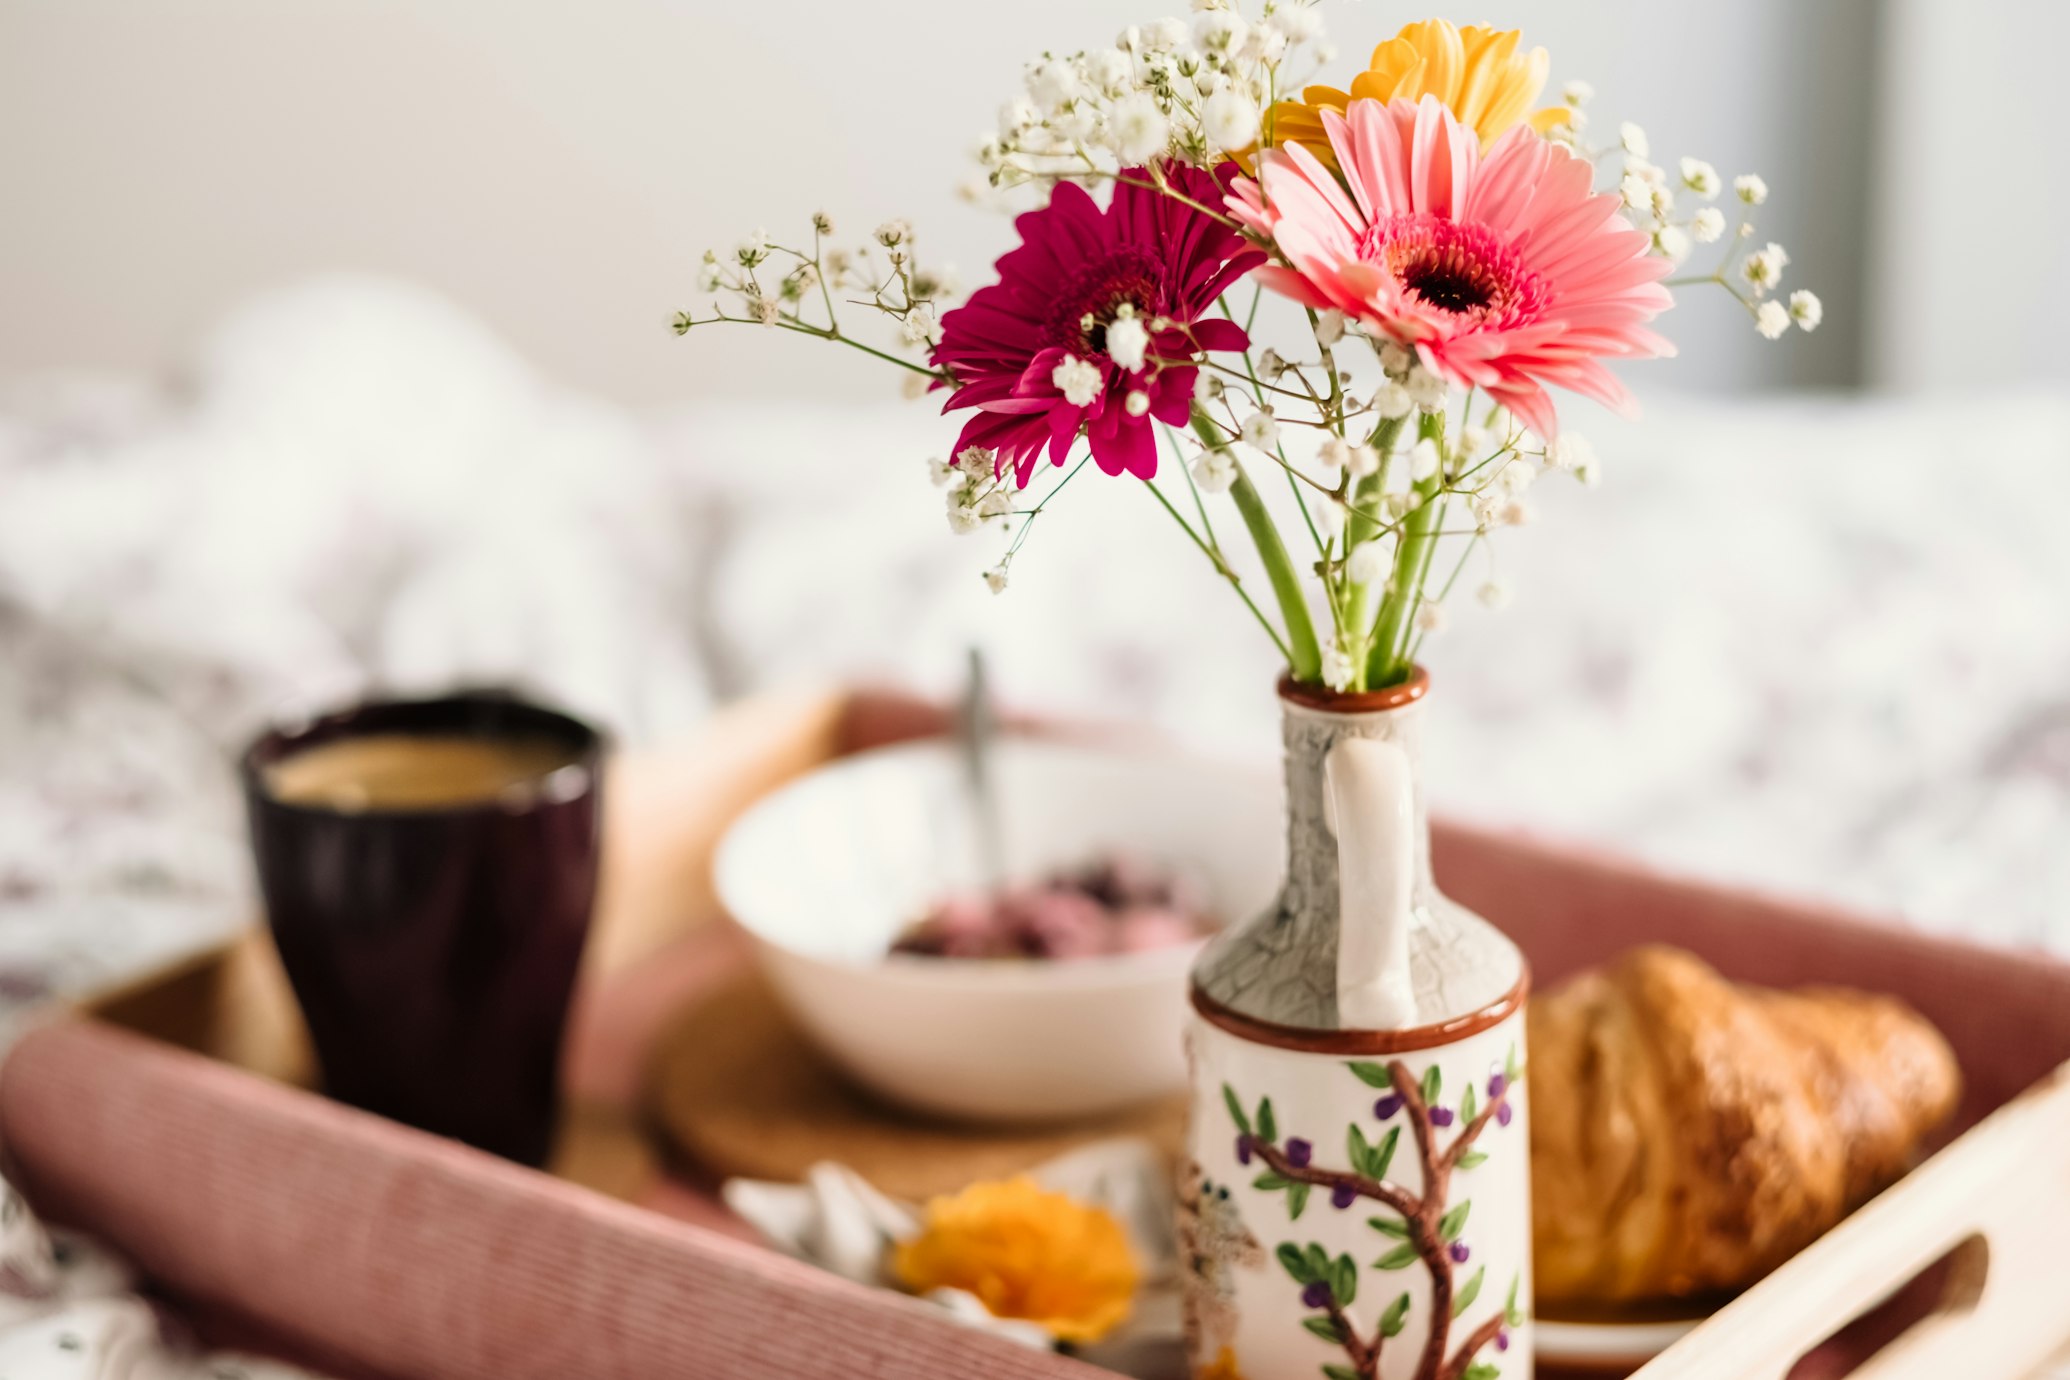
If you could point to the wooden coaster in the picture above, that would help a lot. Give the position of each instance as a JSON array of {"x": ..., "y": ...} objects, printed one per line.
[{"x": 736, "y": 1089}]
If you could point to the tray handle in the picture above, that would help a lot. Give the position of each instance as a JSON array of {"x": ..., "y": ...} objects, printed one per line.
[{"x": 2004, "y": 1187}]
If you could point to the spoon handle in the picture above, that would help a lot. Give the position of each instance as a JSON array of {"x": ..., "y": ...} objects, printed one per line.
[{"x": 977, "y": 729}]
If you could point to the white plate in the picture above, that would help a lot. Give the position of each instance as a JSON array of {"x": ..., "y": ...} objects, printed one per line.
[{"x": 1608, "y": 1346}]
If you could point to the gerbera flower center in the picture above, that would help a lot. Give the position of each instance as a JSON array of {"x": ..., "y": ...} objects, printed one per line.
[
  {"x": 1463, "y": 270},
  {"x": 1095, "y": 296}
]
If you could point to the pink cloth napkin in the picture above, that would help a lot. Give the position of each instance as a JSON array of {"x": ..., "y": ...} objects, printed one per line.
[{"x": 366, "y": 1244}]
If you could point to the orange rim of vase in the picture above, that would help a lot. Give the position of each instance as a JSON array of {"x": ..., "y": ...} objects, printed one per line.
[
  {"x": 1356, "y": 701},
  {"x": 1308, "y": 1040}
]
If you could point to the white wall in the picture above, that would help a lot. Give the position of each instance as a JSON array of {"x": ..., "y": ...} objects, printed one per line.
[{"x": 559, "y": 167}]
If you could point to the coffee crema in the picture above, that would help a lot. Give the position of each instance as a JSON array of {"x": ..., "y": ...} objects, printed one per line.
[{"x": 412, "y": 771}]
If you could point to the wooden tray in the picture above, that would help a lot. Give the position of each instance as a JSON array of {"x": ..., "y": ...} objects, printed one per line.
[{"x": 1993, "y": 1206}]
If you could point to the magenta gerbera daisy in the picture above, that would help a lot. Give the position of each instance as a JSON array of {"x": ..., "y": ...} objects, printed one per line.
[
  {"x": 1503, "y": 271},
  {"x": 1097, "y": 323}
]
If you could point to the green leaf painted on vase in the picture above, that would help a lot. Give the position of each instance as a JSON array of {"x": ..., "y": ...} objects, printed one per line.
[
  {"x": 1372, "y": 1075},
  {"x": 1482, "y": 1370},
  {"x": 1268, "y": 1128},
  {"x": 1395, "y": 1318},
  {"x": 1433, "y": 1084},
  {"x": 1386, "y": 1152},
  {"x": 1512, "y": 1068},
  {"x": 1269, "y": 1183},
  {"x": 1318, "y": 1261},
  {"x": 1344, "y": 1279},
  {"x": 1468, "y": 1105},
  {"x": 1397, "y": 1229},
  {"x": 1297, "y": 1199},
  {"x": 1511, "y": 1314},
  {"x": 1454, "y": 1222},
  {"x": 1243, "y": 1123},
  {"x": 1401, "y": 1257},
  {"x": 1471, "y": 1292},
  {"x": 1473, "y": 1159},
  {"x": 1337, "y": 1372},
  {"x": 1325, "y": 1328},
  {"x": 1296, "y": 1264}
]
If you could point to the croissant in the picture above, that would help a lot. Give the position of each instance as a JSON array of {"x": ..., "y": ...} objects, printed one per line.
[{"x": 1690, "y": 1134}]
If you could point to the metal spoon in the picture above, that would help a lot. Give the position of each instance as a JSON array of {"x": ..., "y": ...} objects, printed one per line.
[{"x": 977, "y": 727}]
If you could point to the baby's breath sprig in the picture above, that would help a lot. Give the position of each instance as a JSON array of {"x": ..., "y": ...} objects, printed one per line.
[{"x": 776, "y": 286}]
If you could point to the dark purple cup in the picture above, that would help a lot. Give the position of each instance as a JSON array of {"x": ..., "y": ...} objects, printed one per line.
[{"x": 434, "y": 950}]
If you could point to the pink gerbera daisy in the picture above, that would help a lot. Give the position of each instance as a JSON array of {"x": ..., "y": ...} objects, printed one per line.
[
  {"x": 1032, "y": 352},
  {"x": 1503, "y": 271}
]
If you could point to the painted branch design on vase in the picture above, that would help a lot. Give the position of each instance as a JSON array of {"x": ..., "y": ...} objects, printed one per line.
[{"x": 1426, "y": 1227}]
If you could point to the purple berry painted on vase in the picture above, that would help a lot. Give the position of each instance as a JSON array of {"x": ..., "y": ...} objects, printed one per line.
[
  {"x": 1498, "y": 1084},
  {"x": 1503, "y": 1114},
  {"x": 1502, "y": 1340},
  {"x": 1460, "y": 1252},
  {"x": 1299, "y": 1152},
  {"x": 1387, "y": 1106},
  {"x": 1343, "y": 1196},
  {"x": 1243, "y": 1149},
  {"x": 1316, "y": 1295},
  {"x": 1441, "y": 1116}
]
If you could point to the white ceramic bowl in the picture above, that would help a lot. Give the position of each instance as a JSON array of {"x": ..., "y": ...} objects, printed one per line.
[{"x": 826, "y": 872}]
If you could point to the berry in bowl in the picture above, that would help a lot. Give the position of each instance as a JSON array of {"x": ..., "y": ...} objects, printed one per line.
[{"x": 1061, "y": 993}]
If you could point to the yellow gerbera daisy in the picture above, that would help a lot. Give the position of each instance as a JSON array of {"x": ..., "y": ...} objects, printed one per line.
[
  {"x": 1477, "y": 72},
  {"x": 1027, "y": 1253}
]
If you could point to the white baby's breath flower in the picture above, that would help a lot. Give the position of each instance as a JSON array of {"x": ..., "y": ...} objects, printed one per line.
[
  {"x": 1368, "y": 563},
  {"x": 1428, "y": 389},
  {"x": 1214, "y": 470},
  {"x": 1137, "y": 403},
  {"x": 1363, "y": 462},
  {"x": 1515, "y": 476},
  {"x": 1771, "y": 319},
  {"x": 1750, "y": 188},
  {"x": 1430, "y": 616},
  {"x": 995, "y": 579},
  {"x": 1329, "y": 328},
  {"x": 997, "y": 503},
  {"x": 1806, "y": 310},
  {"x": 1701, "y": 178},
  {"x": 1219, "y": 30},
  {"x": 1671, "y": 242},
  {"x": 1424, "y": 460},
  {"x": 1077, "y": 379},
  {"x": 1663, "y": 202},
  {"x": 753, "y": 249},
  {"x": 1052, "y": 84},
  {"x": 919, "y": 327},
  {"x": 963, "y": 516},
  {"x": 1632, "y": 139},
  {"x": 1167, "y": 34},
  {"x": 1128, "y": 343},
  {"x": 1337, "y": 666},
  {"x": 766, "y": 310},
  {"x": 1516, "y": 513},
  {"x": 710, "y": 277},
  {"x": 1569, "y": 450},
  {"x": 1707, "y": 225},
  {"x": 977, "y": 461},
  {"x": 1636, "y": 193},
  {"x": 1297, "y": 20},
  {"x": 1207, "y": 387},
  {"x": 1589, "y": 472},
  {"x": 1473, "y": 442},
  {"x": 1261, "y": 430},
  {"x": 1230, "y": 120},
  {"x": 1495, "y": 592},
  {"x": 1335, "y": 453},
  {"x": 1764, "y": 267},
  {"x": 940, "y": 472},
  {"x": 1111, "y": 71},
  {"x": 893, "y": 233},
  {"x": 1577, "y": 93},
  {"x": 1396, "y": 360},
  {"x": 1139, "y": 129},
  {"x": 1392, "y": 401},
  {"x": 1015, "y": 117}
]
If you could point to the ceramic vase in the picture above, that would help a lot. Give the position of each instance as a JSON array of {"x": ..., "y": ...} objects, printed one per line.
[{"x": 1356, "y": 1204}]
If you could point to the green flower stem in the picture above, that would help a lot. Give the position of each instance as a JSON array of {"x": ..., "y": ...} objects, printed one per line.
[
  {"x": 1389, "y": 662},
  {"x": 1361, "y": 527},
  {"x": 1304, "y": 657}
]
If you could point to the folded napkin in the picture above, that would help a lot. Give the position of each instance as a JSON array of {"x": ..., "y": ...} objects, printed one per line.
[
  {"x": 839, "y": 1222},
  {"x": 69, "y": 1311}
]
